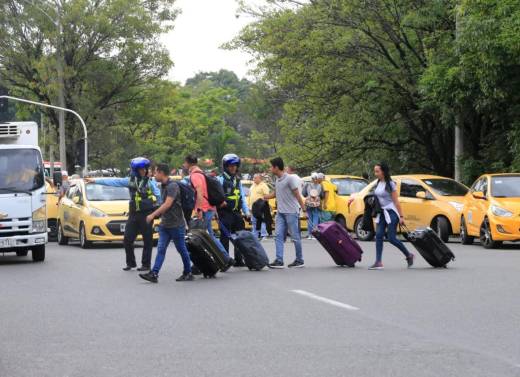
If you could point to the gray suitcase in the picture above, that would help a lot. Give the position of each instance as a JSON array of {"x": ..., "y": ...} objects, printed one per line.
[{"x": 251, "y": 249}]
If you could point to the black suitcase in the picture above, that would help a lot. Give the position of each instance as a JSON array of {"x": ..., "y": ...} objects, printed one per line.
[
  {"x": 252, "y": 251},
  {"x": 431, "y": 247},
  {"x": 204, "y": 253}
]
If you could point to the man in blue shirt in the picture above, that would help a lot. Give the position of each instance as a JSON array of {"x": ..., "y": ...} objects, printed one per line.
[{"x": 145, "y": 197}]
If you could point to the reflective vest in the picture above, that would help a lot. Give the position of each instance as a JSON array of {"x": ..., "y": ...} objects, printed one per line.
[
  {"x": 141, "y": 195},
  {"x": 232, "y": 192}
]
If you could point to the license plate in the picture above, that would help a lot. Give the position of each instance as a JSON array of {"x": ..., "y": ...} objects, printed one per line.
[
  {"x": 6, "y": 242},
  {"x": 122, "y": 227}
]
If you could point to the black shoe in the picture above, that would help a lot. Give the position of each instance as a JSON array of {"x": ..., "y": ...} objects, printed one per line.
[
  {"x": 297, "y": 264},
  {"x": 151, "y": 276},
  {"x": 239, "y": 263},
  {"x": 195, "y": 270},
  {"x": 185, "y": 277},
  {"x": 128, "y": 268},
  {"x": 231, "y": 263},
  {"x": 144, "y": 268},
  {"x": 277, "y": 264}
]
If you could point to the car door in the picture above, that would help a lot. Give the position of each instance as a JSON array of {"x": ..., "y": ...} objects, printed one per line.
[
  {"x": 413, "y": 208},
  {"x": 65, "y": 208},
  {"x": 76, "y": 209},
  {"x": 481, "y": 206},
  {"x": 472, "y": 215}
]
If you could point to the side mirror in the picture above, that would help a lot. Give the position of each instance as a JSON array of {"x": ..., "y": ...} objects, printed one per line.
[
  {"x": 479, "y": 195},
  {"x": 76, "y": 200},
  {"x": 421, "y": 195},
  {"x": 57, "y": 178}
]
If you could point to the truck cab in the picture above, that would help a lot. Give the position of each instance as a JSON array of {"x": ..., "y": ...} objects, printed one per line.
[{"x": 23, "y": 217}]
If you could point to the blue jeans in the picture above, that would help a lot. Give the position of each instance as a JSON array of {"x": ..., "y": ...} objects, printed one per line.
[
  {"x": 167, "y": 235},
  {"x": 288, "y": 222},
  {"x": 391, "y": 234},
  {"x": 263, "y": 230},
  {"x": 208, "y": 216},
  {"x": 313, "y": 219}
]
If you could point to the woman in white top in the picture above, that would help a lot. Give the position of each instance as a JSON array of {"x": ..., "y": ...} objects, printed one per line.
[{"x": 391, "y": 216}]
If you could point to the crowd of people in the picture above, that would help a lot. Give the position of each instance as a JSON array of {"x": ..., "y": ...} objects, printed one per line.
[{"x": 194, "y": 199}]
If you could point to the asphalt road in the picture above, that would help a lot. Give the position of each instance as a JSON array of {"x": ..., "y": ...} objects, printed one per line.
[{"x": 79, "y": 314}]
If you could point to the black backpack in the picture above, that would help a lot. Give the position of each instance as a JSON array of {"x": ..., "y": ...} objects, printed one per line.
[
  {"x": 216, "y": 194},
  {"x": 187, "y": 196}
]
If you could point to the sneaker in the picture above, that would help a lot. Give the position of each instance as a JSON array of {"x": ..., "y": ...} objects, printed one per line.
[
  {"x": 144, "y": 268},
  {"x": 185, "y": 277},
  {"x": 128, "y": 268},
  {"x": 376, "y": 266},
  {"x": 195, "y": 270},
  {"x": 277, "y": 264},
  {"x": 297, "y": 264},
  {"x": 239, "y": 263},
  {"x": 410, "y": 259},
  {"x": 309, "y": 237},
  {"x": 230, "y": 263},
  {"x": 151, "y": 276}
]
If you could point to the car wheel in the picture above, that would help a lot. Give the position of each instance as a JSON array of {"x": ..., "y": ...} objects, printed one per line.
[
  {"x": 442, "y": 227},
  {"x": 38, "y": 253},
  {"x": 465, "y": 239},
  {"x": 361, "y": 234},
  {"x": 62, "y": 239},
  {"x": 83, "y": 241},
  {"x": 22, "y": 253},
  {"x": 486, "y": 238},
  {"x": 341, "y": 221}
]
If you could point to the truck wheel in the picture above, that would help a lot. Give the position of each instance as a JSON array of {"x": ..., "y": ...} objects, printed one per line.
[
  {"x": 361, "y": 234},
  {"x": 83, "y": 241},
  {"x": 38, "y": 253},
  {"x": 465, "y": 239},
  {"x": 62, "y": 239},
  {"x": 441, "y": 225},
  {"x": 22, "y": 253}
]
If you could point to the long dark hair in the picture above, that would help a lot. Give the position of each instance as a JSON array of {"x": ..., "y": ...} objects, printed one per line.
[{"x": 386, "y": 175}]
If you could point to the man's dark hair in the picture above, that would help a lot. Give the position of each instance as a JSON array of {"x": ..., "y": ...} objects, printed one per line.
[
  {"x": 163, "y": 168},
  {"x": 191, "y": 159},
  {"x": 277, "y": 162}
]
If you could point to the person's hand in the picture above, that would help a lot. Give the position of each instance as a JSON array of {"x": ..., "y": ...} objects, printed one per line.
[
  {"x": 350, "y": 201},
  {"x": 150, "y": 218},
  {"x": 200, "y": 215},
  {"x": 266, "y": 197},
  {"x": 89, "y": 180},
  {"x": 401, "y": 220},
  {"x": 224, "y": 204}
]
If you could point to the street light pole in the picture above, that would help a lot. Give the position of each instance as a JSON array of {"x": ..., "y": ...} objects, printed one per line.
[
  {"x": 459, "y": 122},
  {"x": 85, "y": 170}
]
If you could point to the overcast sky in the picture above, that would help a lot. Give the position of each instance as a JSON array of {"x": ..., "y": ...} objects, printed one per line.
[{"x": 201, "y": 28}]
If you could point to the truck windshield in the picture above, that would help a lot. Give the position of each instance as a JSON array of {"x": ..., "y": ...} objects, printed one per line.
[
  {"x": 98, "y": 193},
  {"x": 507, "y": 186},
  {"x": 20, "y": 170}
]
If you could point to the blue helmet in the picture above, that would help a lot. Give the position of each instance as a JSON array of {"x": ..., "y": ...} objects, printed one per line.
[
  {"x": 230, "y": 159},
  {"x": 139, "y": 163}
]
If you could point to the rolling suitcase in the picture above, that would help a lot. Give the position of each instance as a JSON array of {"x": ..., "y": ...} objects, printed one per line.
[
  {"x": 335, "y": 239},
  {"x": 252, "y": 251},
  {"x": 431, "y": 247},
  {"x": 204, "y": 254}
]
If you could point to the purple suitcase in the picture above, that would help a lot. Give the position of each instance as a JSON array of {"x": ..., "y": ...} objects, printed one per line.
[{"x": 335, "y": 239}]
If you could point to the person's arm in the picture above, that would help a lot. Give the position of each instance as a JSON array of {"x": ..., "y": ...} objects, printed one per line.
[
  {"x": 395, "y": 199},
  {"x": 162, "y": 209},
  {"x": 325, "y": 198},
  {"x": 296, "y": 193},
  {"x": 245, "y": 208},
  {"x": 114, "y": 182},
  {"x": 197, "y": 185},
  {"x": 155, "y": 191},
  {"x": 271, "y": 195}
]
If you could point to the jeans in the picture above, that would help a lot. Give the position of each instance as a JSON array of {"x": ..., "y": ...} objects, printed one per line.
[
  {"x": 177, "y": 235},
  {"x": 233, "y": 222},
  {"x": 391, "y": 233},
  {"x": 208, "y": 216},
  {"x": 263, "y": 231},
  {"x": 288, "y": 222},
  {"x": 313, "y": 219},
  {"x": 135, "y": 225}
]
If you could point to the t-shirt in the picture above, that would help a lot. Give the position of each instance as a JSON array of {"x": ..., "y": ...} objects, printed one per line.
[
  {"x": 307, "y": 189},
  {"x": 385, "y": 198},
  {"x": 173, "y": 217},
  {"x": 198, "y": 181},
  {"x": 330, "y": 203},
  {"x": 286, "y": 202},
  {"x": 257, "y": 191}
]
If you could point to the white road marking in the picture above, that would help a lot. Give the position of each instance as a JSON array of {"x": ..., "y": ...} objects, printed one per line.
[{"x": 324, "y": 299}]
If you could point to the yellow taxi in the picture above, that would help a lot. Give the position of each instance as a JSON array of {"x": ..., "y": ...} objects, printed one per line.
[
  {"x": 93, "y": 213},
  {"x": 426, "y": 200},
  {"x": 52, "y": 210},
  {"x": 346, "y": 185},
  {"x": 492, "y": 210}
]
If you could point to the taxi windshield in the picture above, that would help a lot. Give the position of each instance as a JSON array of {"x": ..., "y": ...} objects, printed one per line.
[
  {"x": 446, "y": 187},
  {"x": 349, "y": 186},
  {"x": 21, "y": 170},
  {"x": 98, "y": 193},
  {"x": 505, "y": 186}
]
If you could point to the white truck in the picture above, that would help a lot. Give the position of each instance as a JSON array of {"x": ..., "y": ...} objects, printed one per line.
[{"x": 23, "y": 215}]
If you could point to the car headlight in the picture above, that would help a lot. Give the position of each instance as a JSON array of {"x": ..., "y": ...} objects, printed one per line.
[
  {"x": 501, "y": 212},
  {"x": 94, "y": 212},
  {"x": 458, "y": 206},
  {"x": 39, "y": 220}
]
